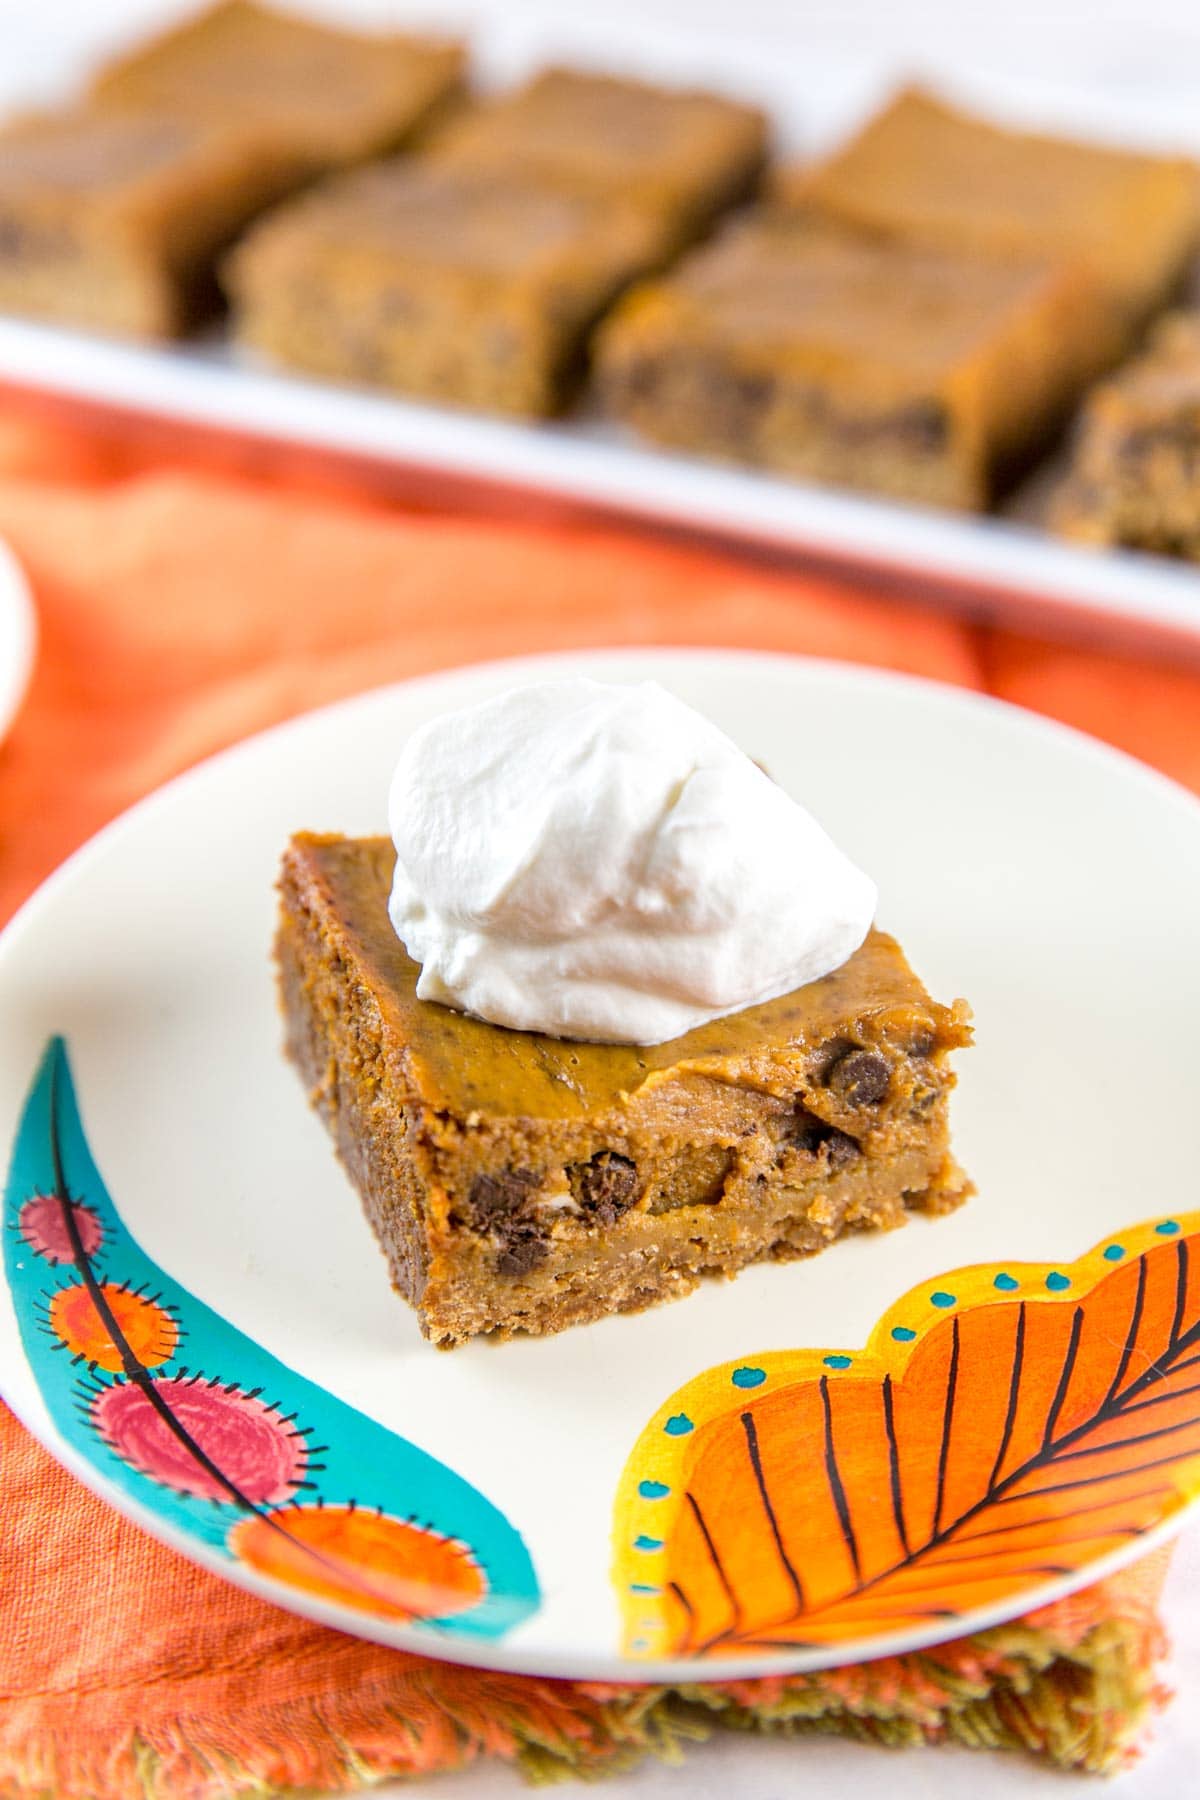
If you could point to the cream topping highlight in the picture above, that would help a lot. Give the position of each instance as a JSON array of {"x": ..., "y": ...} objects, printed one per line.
[{"x": 601, "y": 862}]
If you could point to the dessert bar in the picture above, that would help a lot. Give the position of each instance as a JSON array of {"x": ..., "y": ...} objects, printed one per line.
[
  {"x": 518, "y": 1182},
  {"x": 931, "y": 172},
  {"x": 683, "y": 153},
  {"x": 808, "y": 347},
  {"x": 113, "y": 212},
  {"x": 322, "y": 97},
  {"x": 456, "y": 284},
  {"x": 113, "y": 220},
  {"x": 1135, "y": 472}
]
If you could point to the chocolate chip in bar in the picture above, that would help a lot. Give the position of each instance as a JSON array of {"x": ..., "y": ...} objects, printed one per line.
[
  {"x": 861, "y": 1078},
  {"x": 606, "y": 1186},
  {"x": 524, "y": 1247},
  {"x": 497, "y": 1197}
]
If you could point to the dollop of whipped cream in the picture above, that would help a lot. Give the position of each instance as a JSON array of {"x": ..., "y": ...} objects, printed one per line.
[{"x": 601, "y": 862}]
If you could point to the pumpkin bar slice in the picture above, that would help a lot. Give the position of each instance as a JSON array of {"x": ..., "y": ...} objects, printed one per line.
[
  {"x": 518, "y": 1182},
  {"x": 684, "y": 153},
  {"x": 1134, "y": 477},
  {"x": 455, "y": 284},
  {"x": 114, "y": 220},
  {"x": 932, "y": 172},
  {"x": 825, "y": 352},
  {"x": 322, "y": 97}
]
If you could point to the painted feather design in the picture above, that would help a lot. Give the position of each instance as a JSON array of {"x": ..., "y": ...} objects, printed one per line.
[
  {"x": 203, "y": 1428},
  {"x": 1004, "y": 1427}
]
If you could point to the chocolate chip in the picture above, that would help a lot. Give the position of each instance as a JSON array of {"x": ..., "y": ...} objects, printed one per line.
[
  {"x": 806, "y": 1132},
  {"x": 861, "y": 1078},
  {"x": 842, "y": 1149},
  {"x": 523, "y": 1249},
  {"x": 826, "y": 1055},
  {"x": 495, "y": 1198},
  {"x": 922, "y": 1043},
  {"x": 498, "y": 1207},
  {"x": 813, "y": 1135},
  {"x": 605, "y": 1187}
]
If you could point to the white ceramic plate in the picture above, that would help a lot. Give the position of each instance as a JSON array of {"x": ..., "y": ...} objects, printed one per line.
[
  {"x": 1052, "y": 881},
  {"x": 1009, "y": 569},
  {"x": 18, "y": 635}
]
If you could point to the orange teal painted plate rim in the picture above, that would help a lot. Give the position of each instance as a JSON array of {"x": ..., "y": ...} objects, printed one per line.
[
  {"x": 1047, "y": 1486},
  {"x": 550, "y": 1437}
]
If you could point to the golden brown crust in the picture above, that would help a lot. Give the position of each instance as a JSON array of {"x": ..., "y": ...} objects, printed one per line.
[{"x": 522, "y": 1183}]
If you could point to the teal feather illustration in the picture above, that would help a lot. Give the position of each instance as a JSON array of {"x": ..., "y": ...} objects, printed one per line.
[{"x": 200, "y": 1425}]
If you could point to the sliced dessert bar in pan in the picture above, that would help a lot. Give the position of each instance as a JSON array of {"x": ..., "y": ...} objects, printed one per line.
[
  {"x": 322, "y": 96},
  {"x": 811, "y": 348},
  {"x": 113, "y": 212},
  {"x": 1134, "y": 477},
  {"x": 114, "y": 220},
  {"x": 683, "y": 153},
  {"x": 934, "y": 173},
  {"x": 454, "y": 284}
]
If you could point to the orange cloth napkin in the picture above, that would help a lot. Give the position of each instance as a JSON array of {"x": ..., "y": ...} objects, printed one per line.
[{"x": 179, "y": 610}]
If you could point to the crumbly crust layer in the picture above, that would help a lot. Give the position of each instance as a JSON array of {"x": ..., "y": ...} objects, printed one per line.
[{"x": 583, "y": 1189}]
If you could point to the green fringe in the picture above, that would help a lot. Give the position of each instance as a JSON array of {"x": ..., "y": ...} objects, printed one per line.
[{"x": 1082, "y": 1710}]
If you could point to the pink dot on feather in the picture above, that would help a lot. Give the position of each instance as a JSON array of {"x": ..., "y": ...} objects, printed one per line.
[
  {"x": 215, "y": 1429},
  {"x": 42, "y": 1223}
]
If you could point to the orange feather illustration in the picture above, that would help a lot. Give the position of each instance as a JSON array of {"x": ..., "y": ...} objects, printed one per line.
[{"x": 1005, "y": 1426}]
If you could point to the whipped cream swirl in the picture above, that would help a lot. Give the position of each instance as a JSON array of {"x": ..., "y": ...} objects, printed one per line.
[{"x": 600, "y": 862}]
